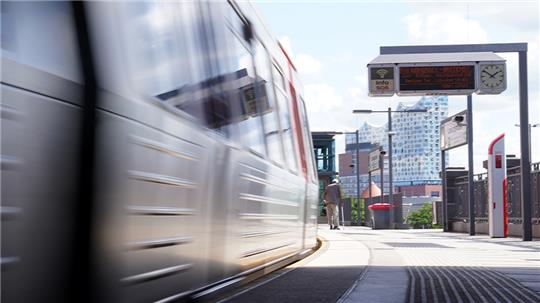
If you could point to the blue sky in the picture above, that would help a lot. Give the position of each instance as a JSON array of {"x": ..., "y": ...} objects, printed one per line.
[{"x": 332, "y": 41}]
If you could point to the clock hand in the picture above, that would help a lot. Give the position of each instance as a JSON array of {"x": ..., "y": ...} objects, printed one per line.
[
  {"x": 493, "y": 76},
  {"x": 487, "y": 73}
]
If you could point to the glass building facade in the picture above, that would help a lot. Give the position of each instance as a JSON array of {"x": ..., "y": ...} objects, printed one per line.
[{"x": 416, "y": 147}]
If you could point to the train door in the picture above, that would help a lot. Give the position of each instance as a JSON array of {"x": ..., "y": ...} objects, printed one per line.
[
  {"x": 154, "y": 156},
  {"x": 261, "y": 216},
  {"x": 311, "y": 209},
  {"x": 41, "y": 121}
]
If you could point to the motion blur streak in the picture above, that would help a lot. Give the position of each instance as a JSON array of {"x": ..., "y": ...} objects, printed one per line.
[{"x": 150, "y": 151}]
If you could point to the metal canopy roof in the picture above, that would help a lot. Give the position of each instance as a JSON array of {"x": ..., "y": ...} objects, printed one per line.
[{"x": 435, "y": 58}]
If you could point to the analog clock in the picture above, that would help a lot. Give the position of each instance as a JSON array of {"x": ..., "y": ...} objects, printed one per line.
[{"x": 492, "y": 76}]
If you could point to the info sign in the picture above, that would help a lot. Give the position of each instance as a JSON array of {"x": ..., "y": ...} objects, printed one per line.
[
  {"x": 454, "y": 131},
  {"x": 374, "y": 160},
  {"x": 381, "y": 80}
]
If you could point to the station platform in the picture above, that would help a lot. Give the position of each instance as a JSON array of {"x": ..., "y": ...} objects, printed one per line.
[{"x": 358, "y": 264}]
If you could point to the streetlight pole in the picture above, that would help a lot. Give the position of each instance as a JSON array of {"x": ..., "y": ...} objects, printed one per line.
[
  {"x": 381, "y": 159},
  {"x": 369, "y": 200},
  {"x": 358, "y": 178},
  {"x": 390, "y": 170}
]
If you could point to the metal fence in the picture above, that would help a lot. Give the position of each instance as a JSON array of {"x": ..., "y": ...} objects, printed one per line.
[{"x": 458, "y": 200}]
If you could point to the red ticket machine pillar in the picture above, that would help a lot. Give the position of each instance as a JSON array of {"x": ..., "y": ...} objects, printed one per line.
[{"x": 497, "y": 194}]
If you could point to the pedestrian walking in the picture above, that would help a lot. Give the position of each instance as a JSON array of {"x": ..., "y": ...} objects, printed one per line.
[{"x": 332, "y": 199}]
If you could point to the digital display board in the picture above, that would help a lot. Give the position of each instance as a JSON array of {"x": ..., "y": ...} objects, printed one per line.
[{"x": 436, "y": 78}]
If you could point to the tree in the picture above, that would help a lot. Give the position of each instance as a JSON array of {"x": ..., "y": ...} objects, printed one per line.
[{"x": 421, "y": 218}]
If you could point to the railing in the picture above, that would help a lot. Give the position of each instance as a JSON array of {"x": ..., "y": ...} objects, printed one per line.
[{"x": 458, "y": 200}]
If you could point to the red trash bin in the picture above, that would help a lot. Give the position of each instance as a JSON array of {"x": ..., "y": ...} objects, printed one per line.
[{"x": 380, "y": 215}]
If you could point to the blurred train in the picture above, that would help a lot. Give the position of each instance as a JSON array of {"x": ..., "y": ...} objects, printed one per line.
[{"x": 150, "y": 151}]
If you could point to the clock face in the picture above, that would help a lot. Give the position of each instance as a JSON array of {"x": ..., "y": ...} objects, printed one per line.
[{"x": 492, "y": 75}]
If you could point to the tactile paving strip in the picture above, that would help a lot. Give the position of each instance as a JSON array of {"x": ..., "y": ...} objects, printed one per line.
[
  {"x": 464, "y": 284},
  {"x": 415, "y": 245}
]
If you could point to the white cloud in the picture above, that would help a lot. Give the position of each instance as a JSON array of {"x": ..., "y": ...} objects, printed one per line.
[
  {"x": 307, "y": 65},
  {"x": 519, "y": 15},
  {"x": 355, "y": 92},
  {"x": 522, "y": 17},
  {"x": 322, "y": 98},
  {"x": 328, "y": 110},
  {"x": 362, "y": 82},
  {"x": 442, "y": 28},
  {"x": 342, "y": 58}
]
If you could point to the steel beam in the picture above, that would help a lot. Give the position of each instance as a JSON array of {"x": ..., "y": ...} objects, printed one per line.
[
  {"x": 525, "y": 148},
  {"x": 472, "y": 217},
  {"x": 459, "y": 48},
  {"x": 444, "y": 197}
]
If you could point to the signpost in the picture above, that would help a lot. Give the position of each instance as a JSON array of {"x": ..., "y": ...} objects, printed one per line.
[
  {"x": 454, "y": 133},
  {"x": 373, "y": 165},
  {"x": 490, "y": 71}
]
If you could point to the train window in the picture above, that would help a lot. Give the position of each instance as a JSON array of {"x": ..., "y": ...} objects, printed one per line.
[
  {"x": 233, "y": 70},
  {"x": 163, "y": 53},
  {"x": 278, "y": 78},
  {"x": 298, "y": 85},
  {"x": 241, "y": 89},
  {"x": 42, "y": 35},
  {"x": 288, "y": 133},
  {"x": 266, "y": 92},
  {"x": 312, "y": 170}
]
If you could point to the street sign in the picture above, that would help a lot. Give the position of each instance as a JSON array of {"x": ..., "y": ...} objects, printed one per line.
[
  {"x": 374, "y": 160},
  {"x": 436, "y": 79},
  {"x": 454, "y": 131},
  {"x": 381, "y": 81}
]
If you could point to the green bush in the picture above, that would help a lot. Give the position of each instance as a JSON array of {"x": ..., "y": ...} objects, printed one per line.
[
  {"x": 354, "y": 209},
  {"x": 421, "y": 218}
]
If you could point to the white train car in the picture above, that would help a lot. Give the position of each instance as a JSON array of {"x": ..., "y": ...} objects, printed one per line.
[{"x": 151, "y": 151}]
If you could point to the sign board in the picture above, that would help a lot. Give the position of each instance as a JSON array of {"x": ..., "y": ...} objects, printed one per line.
[
  {"x": 381, "y": 81},
  {"x": 253, "y": 104},
  {"x": 454, "y": 131},
  {"x": 436, "y": 79},
  {"x": 374, "y": 160},
  {"x": 421, "y": 74}
]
